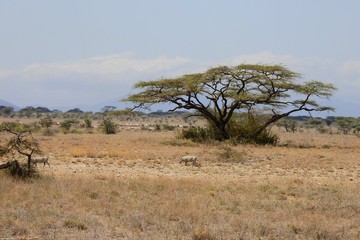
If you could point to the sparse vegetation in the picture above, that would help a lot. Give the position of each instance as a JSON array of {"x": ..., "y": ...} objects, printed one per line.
[{"x": 131, "y": 185}]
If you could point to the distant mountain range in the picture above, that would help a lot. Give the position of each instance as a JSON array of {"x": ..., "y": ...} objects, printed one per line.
[
  {"x": 86, "y": 108},
  {"x": 342, "y": 108}
]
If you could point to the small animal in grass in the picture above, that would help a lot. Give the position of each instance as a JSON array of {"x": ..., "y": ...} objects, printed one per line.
[
  {"x": 44, "y": 160},
  {"x": 187, "y": 159}
]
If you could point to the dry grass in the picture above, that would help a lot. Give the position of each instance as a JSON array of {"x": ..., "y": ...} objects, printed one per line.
[
  {"x": 131, "y": 186},
  {"x": 182, "y": 208}
]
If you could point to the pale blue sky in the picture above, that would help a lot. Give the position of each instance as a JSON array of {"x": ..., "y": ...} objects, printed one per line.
[{"x": 71, "y": 52}]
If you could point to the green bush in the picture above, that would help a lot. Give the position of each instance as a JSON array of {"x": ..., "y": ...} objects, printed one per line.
[
  {"x": 168, "y": 127},
  {"x": 46, "y": 122},
  {"x": 67, "y": 124},
  {"x": 88, "y": 123},
  {"x": 241, "y": 130},
  {"x": 108, "y": 126},
  {"x": 196, "y": 134}
]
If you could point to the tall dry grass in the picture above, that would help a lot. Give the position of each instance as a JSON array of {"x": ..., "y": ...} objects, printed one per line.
[{"x": 183, "y": 208}]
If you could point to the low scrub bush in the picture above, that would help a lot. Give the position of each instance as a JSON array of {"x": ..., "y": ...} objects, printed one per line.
[
  {"x": 108, "y": 126},
  {"x": 241, "y": 130},
  {"x": 168, "y": 127},
  {"x": 196, "y": 134},
  {"x": 228, "y": 154}
]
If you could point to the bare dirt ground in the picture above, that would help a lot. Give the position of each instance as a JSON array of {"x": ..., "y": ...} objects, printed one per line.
[{"x": 320, "y": 157}]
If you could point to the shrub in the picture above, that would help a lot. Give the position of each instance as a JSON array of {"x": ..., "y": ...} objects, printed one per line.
[
  {"x": 108, "y": 126},
  {"x": 66, "y": 125},
  {"x": 196, "y": 134},
  {"x": 88, "y": 123},
  {"x": 46, "y": 122},
  {"x": 157, "y": 127},
  {"x": 229, "y": 154},
  {"x": 241, "y": 130},
  {"x": 168, "y": 127}
]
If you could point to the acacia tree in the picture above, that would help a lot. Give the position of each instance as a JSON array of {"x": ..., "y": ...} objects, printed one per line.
[
  {"x": 221, "y": 91},
  {"x": 21, "y": 142}
]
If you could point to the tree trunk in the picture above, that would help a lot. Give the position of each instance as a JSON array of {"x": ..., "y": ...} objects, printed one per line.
[
  {"x": 222, "y": 133},
  {"x": 29, "y": 161}
]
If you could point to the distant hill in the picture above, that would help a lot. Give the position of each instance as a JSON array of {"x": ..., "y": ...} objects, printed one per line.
[
  {"x": 343, "y": 108},
  {"x": 9, "y": 104}
]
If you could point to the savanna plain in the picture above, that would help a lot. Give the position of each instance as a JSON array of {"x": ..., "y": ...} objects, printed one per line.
[{"x": 130, "y": 185}]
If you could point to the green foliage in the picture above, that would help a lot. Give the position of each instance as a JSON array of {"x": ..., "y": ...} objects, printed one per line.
[
  {"x": 347, "y": 124},
  {"x": 315, "y": 122},
  {"x": 179, "y": 143},
  {"x": 168, "y": 127},
  {"x": 16, "y": 127},
  {"x": 109, "y": 126},
  {"x": 46, "y": 122},
  {"x": 241, "y": 130},
  {"x": 67, "y": 124},
  {"x": 329, "y": 120},
  {"x": 125, "y": 112},
  {"x": 88, "y": 123},
  {"x": 197, "y": 134}
]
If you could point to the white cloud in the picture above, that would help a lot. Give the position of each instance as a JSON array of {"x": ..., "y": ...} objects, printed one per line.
[
  {"x": 85, "y": 81},
  {"x": 97, "y": 79},
  {"x": 351, "y": 67},
  {"x": 261, "y": 58},
  {"x": 294, "y": 63},
  {"x": 107, "y": 66}
]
